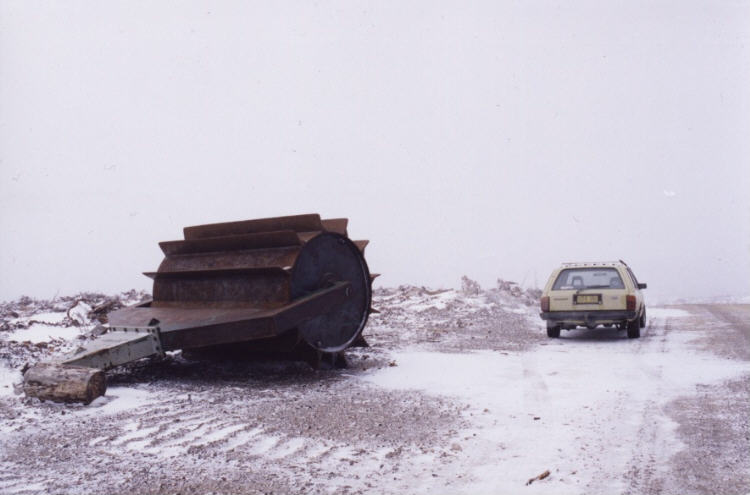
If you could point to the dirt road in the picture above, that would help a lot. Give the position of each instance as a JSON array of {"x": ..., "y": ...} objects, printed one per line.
[{"x": 667, "y": 413}]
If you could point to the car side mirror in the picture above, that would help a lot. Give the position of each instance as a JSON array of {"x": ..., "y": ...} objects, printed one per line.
[{"x": 642, "y": 286}]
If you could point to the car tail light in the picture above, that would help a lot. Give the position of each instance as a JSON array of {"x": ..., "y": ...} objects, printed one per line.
[
  {"x": 545, "y": 303},
  {"x": 630, "y": 303}
]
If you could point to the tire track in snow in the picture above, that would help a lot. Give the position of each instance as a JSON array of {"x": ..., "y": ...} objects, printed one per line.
[
  {"x": 535, "y": 391},
  {"x": 640, "y": 412},
  {"x": 166, "y": 432},
  {"x": 12, "y": 481},
  {"x": 644, "y": 458},
  {"x": 655, "y": 440}
]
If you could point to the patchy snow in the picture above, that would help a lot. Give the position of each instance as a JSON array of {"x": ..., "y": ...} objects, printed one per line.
[
  {"x": 572, "y": 407},
  {"x": 722, "y": 299},
  {"x": 425, "y": 300},
  {"x": 21, "y": 488},
  {"x": 517, "y": 310},
  {"x": 652, "y": 312},
  {"x": 221, "y": 434},
  {"x": 118, "y": 400},
  {"x": 80, "y": 313},
  {"x": 460, "y": 392},
  {"x": 9, "y": 378},
  {"x": 421, "y": 299},
  {"x": 39, "y": 332},
  {"x": 449, "y": 317},
  {"x": 241, "y": 438},
  {"x": 53, "y": 317}
]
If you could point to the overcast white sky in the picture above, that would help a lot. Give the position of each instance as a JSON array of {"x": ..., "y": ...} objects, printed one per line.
[{"x": 491, "y": 139}]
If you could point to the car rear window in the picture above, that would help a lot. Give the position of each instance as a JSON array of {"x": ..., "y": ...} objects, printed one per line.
[{"x": 588, "y": 278}]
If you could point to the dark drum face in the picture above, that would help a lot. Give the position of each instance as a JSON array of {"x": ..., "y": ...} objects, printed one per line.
[{"x": 326, "y": 259}]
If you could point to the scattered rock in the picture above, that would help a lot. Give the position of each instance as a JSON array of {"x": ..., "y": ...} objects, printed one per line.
[
  {"x": 98, "y": 330},
  {"x": 538, "y": 477}
]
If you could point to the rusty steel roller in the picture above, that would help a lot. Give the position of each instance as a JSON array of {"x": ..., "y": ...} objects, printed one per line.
[
  {"x": 295, "y": 283},
  {"x": 257, "y": 267}
]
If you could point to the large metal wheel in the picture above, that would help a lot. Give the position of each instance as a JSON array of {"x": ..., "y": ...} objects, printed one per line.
[
  {"x": 265, "y": 266},
  {"x": 324, "y": 260}
]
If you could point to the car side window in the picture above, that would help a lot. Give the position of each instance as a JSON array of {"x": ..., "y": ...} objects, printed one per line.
[{"x": 632, "y": 277}]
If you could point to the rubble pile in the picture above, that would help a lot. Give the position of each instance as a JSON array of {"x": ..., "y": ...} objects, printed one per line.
[
  {"x": 470, "y": 317},
  {"x": 80, "y": 309},
  {"x": 530, "y": 296},
  {"x": 77, "y": 317}
]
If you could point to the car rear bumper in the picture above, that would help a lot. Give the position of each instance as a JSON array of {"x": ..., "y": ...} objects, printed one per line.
[{"x": 588, "y": 317}]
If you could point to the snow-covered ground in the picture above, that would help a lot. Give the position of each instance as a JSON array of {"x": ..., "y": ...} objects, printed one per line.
[
  {"x": 573, "y": 406},
  {"x": 460, "y": 392}
]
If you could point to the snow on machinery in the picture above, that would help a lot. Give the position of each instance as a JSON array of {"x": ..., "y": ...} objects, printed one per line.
[{"x": 293, "y": 284}]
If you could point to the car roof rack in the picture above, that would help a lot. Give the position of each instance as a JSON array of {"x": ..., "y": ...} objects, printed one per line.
[{"x": 594, "y": 263}]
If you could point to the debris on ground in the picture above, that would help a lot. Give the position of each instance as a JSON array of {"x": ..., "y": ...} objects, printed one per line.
[
  {"x": 538, "y": 477},
  {"x": 32, "y": 329},
  {"x": 457, "y": 405},
  {"x": 451, "y": 319}
]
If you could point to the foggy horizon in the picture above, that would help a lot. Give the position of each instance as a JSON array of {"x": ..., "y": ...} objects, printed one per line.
[{"x": 492, "y": 140}]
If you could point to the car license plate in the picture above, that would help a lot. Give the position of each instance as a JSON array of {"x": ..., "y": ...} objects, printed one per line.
[{"x": 588, "y": 298}]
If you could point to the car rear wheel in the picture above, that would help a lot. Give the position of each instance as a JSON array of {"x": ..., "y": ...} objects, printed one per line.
[
  {"x": 634, "y": 328},
  {"x": 553, "y": 332},
  {"x": 642, "y": 320}
]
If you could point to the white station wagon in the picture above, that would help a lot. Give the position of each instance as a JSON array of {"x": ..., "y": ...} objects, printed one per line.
[{"x": 592, "y": 294}]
